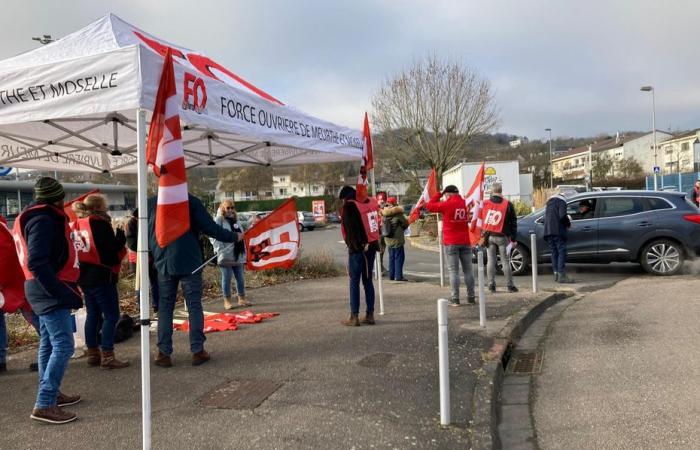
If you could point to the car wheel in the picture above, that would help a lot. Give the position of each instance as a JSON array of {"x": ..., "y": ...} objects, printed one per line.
[
  {"x": 662, "y": 257},
  {"x": 519, "y": 260}
]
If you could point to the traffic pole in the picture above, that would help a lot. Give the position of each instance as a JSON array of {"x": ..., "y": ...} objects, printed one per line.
[
  {"x": 533, "y": 253},
  {"x": 441, "y": 249},
  {"x": 443, "y": 362},
  {"x": 482, "y": 288}
]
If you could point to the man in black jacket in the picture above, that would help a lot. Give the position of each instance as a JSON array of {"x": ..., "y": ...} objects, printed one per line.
[
  {"x": 362, "y": 251},
  {"x": 556, "y": 225},
  {"x": 51, "y": 268}
]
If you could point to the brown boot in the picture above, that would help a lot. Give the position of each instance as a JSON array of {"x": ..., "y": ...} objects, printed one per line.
[
  {"x": 242, "y": 301},
  {"x": 353, "y": 321},
  {"x": 110, "y": 362},
  {"x": 369, "y": 319},
  {"x": 53, "y": 414},
  {"x": 65, "y": 399},
  {"x": 227, "y": 303},
  {"x": 163, "y": 360},
  {"x": 94, "y": 357},
  {"x": 200, "y": 358}
]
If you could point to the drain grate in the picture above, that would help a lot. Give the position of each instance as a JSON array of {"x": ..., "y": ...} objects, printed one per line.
[
  {"x": 240, "y": 394},
  {"x": 525, "y": 363},
  {"x": 376, "y": 360}
]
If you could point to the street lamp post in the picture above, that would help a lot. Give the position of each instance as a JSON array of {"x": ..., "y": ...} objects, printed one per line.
[
  {"x": 653, "y": 128},
  {"x": 551, "y": 167}
]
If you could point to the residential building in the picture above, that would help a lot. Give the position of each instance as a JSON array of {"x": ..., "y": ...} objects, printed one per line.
[{"x": 681, "y": 153}]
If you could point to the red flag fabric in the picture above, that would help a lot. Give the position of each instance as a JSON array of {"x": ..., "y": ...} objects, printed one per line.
[
  {"x": 166, "y": 156},
  {"x": 67, "y": 207},
  {"x": 367, "y": 162},
  {"x": 475, "y": 201},
  {"x": 227, "y": 321},
  {"x": 429, "y": 190},
  {"x": 11, "y": 276},
  {"x": 274, "y": 241}
]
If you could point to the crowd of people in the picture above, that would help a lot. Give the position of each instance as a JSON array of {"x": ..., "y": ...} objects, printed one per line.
[{"x": 63, "y": 265}]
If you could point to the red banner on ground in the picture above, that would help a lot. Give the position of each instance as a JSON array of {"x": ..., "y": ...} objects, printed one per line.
[{"x": 227, "y": 321}]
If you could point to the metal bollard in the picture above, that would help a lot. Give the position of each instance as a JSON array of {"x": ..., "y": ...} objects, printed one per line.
[
  {"x": 442, "y": 254},
  {"x": 533, "y": 250},
  {"x": 381, "y": 288},
  {"x": 444, "y": 362},
  {"x": 482, "y": 288}
]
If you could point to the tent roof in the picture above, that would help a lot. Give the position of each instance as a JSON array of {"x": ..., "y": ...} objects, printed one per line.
[{"x": 71, "y": 105}]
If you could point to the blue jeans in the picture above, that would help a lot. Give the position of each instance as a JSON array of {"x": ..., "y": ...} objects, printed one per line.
[
  {"x": 192, "y": 287},
  {"x": 55, "y": 349},
  {"x": 397, "y": 256},
  {"x": 557, "y": 246},
  {"x": 227, "y": 272},
  {"x": 102, "y": 305},
  {"x": 31, "y": 319},
  {"x": 360, "y": 267}
]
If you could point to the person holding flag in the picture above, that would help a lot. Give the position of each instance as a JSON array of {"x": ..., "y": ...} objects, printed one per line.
[
  {"x": 455, "y": 237},
  {"x": 175, "y": 220},
  {"x": 499, "y": 226}
]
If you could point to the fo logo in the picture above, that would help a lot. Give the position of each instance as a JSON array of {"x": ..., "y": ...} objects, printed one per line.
[
  {"x": 493, "y": 217},
  {"x": 194, "y": 94}
]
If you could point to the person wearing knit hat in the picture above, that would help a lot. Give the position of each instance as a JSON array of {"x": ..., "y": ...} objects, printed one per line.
[
  {"x": 50, "y": 265},
  {"x": 48, "y": 190}
]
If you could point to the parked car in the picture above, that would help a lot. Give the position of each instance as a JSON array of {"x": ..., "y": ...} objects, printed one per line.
[
  {"x": 306, "y": 220},
  {"x": 656, "y": 229},
  {"x": 332, "y": 217}
]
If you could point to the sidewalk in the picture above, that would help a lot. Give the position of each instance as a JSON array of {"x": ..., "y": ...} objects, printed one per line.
[
  {"x": 332, "y": 386},
  {"x": 621, "y": 370}
]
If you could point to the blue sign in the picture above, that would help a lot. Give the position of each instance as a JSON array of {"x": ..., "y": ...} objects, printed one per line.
[
  {"x": 5, "y": 171},
  {"x": 657, "y": 169}
]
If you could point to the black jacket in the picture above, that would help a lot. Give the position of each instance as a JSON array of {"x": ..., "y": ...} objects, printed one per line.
[
  {"x": 47, "y": 253},
  {"x": 556, "y": 221},
  {"x": 355, "y": 236},
  {"x": 108, "y": 244}
]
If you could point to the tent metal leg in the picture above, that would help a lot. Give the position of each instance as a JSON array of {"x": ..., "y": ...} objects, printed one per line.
[{"x": 144, "y": 289}]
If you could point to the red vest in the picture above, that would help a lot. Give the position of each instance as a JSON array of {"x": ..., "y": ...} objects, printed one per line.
[
  {"x": 86, "y": 246},
  {"x": 70, "y": 272},
  {"x": 493, "y": 216},
  {"x": 11, "y": 276},
  {"x": 369, "y": 213}
]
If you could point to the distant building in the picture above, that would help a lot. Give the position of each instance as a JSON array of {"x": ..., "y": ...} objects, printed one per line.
[
  {"x": 681, "y": 153},
  {"x": 517, "y": 143}
]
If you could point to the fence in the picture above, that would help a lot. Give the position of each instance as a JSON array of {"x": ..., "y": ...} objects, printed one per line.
[{"x": 682, "y": 182}]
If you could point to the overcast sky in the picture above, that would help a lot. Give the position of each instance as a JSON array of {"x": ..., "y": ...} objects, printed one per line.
[{"x": 574, "y": 66}]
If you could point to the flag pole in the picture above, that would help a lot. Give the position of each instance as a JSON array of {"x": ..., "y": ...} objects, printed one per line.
[
  {"x": 377, "y": 263},
  {"x": 144, "y": 291}
]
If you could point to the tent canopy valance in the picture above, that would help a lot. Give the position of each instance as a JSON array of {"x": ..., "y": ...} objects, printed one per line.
[{"x": 71, "y": 105}]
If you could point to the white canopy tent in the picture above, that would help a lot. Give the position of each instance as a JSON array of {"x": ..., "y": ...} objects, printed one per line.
[{"x": 81, "y": 104}]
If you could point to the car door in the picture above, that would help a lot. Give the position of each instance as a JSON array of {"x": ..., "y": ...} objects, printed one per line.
[
  {"x": 623, "y": 222},
  {"x": 582, "y": 239}
]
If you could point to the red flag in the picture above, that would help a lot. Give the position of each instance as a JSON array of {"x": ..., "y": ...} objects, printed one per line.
[
  {"x": 274, "y": 240},
  {"x": 429, "y": 190},
  {"x": 68, "y": 209},
  {"x": 165, "y": 155},
  {"x": 367, "y": 162},
  {"x": 474, "y": 201},
  {"x": 11, "y": 276}
]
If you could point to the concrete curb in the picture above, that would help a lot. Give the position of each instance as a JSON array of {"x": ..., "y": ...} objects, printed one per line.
[
  {"x": 488, "y": 385},
  {"x": 428, "y": 248}
]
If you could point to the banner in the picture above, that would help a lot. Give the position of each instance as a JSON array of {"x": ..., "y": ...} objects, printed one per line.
[
  {"x": 274, "y": 241},
  {"x": 319, "y": 209}
]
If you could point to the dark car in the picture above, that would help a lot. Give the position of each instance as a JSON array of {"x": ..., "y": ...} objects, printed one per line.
[
  {"x": 332, "y": 217},
  {"x": 658, "y": 230}
]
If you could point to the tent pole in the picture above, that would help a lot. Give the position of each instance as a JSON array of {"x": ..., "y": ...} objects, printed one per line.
[
  {"x": 144, "y": 289},
  {"x": 377, "y": 262}
]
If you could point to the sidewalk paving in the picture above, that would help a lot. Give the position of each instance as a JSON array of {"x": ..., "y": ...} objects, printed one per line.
[
  {"x": 328, "y": 393},
  {"x": 621, "y": 369}
]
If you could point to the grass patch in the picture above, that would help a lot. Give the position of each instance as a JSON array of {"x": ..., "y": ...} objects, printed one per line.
[{"x": 20, "y": 334}]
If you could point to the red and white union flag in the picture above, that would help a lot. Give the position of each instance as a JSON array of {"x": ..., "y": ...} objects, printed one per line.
[
  {"x": 165, "y": 155},
  {"x": 429, "y": 190},
  {"x": 274, "y": 241}
]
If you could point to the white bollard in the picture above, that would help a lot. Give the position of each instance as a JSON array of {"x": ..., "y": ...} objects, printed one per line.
[
  {"x": 441, "y": 249},
  {"x": 444, "y": 362},
  {"x": 381, "y": 289},
  {"x": 533, "y": 253},
  {"x": 482, "y": 288}
]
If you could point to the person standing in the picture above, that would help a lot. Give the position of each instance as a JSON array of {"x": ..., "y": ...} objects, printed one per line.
[
  {"x": 230, "y": 258},
  {"x": 556, "y": 225},
  {"x": 359, "y": 224},
  {"x": 455, "y": 238},
  {"x": 51, "y": 269},
  {"x": 498, "y": 233},
  {"x": 177, "y": 263},
  {"x": 100, "y": 251},
  {"x": 396, "y": 223},
  {"x": 695, "y": 196}
]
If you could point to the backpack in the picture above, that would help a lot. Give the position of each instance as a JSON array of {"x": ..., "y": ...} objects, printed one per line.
[{"x": 388, "y": 227}]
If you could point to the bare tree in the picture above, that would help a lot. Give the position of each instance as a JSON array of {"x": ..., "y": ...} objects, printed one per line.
[
  {"x": 250, "y": 178},
  {"x": 428, "y": 113}
]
